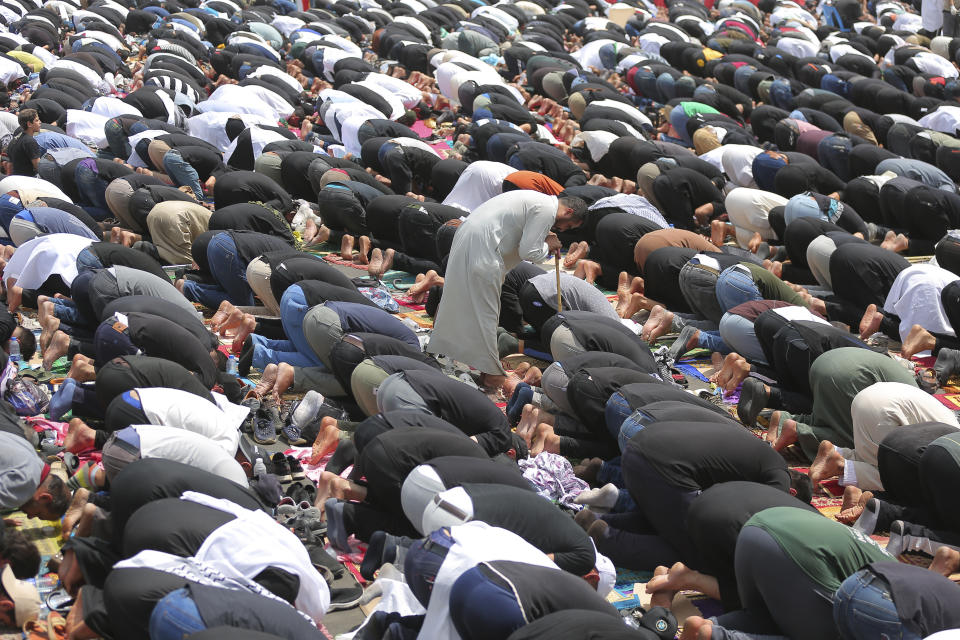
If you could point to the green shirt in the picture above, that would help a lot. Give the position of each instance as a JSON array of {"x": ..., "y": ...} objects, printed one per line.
[
  {"x": 692, "y": 108},
  {"x": 771, "y": 287},
  {"x": 826, "y": 551}
]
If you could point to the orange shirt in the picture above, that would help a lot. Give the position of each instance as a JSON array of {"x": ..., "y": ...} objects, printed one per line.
[{"x": 535, "y": 182}]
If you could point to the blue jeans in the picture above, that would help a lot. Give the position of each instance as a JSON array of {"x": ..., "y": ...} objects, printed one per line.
[
  {"x": 712, "y": 340},
  {"x": 739, "y": 335},
  {"x": 735, "y": 286},
  {"x": 612, "y": 473},
  {"x": 227, "y": 270},
  {"x": 266, "y": 351},
  {"x": 182, "y": 172},
  {"x": 864, "y": 608},
  {"x": 293, "y": 308},
  {"x": 67, "y": 312},
  {"x": 617, "y": 410},
  {"x": 92, "y": 189},
  {"x": 87, "y": 261},
  {"x": 633, "y": 425},
  {"x": 175, "y": 617}
]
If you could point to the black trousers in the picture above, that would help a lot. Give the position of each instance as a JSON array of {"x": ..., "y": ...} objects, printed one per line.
[{"x": 862, "y": 274}]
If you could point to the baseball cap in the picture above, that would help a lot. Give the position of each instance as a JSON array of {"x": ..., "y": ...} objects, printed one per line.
[{"x": 26, "y": 599}]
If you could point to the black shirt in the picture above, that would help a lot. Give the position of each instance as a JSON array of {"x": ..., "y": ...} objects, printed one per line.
[
  {"x": 577, "y": 624},
  {"x": 400, "y": 451},
  {"x": 535, "y": 520},
  {"x": 541, "y": 590},
  {"x": 458, "y": 470},
  {"x": 22, "y": 151},
  {"x": 111, "y": 254},
  {"x": 161, "y": 338},
  {"x": 694, "y": 456},
  {"x": 251, "y": 245},
  {"x": 467, "y": 408},
  {"x": 250, "y": 611},
  {"x": 246, "y": 216}
]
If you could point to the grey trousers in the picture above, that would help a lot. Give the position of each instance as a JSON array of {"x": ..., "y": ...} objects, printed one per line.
[{"x": 322, "y": 330}]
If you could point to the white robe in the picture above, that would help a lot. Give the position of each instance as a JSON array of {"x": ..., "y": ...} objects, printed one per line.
[
  {"x": 495, "y": 238},
  {"x": 915, "y": 298}
]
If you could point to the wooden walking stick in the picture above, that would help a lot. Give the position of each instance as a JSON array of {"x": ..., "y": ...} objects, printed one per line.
[{"x": 556, "y": 265}]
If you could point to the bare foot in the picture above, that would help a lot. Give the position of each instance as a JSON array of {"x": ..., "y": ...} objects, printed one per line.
[
  {"x": 329, "y": 486},
  {"x": 533, "y": 376},
  {"x": 267, "y": 380},
  {"x": 919, "y": 339},
  {"x": 576, "y": 251},
  {"x": 363, "y": 256},
  {"x": 870, "y": 322},
  {"x": 418, "y": 292},
  {"x": 854, "y": 502},
  {"x": 223, "y": 312},
  {"x": 82, "y": 369},
  {"x": 665, "y": 584},
  {"x": 79, "y": 436},
  {"x": 636, "y": 285},
  {"x": 326, "y": 441},
  {"x": 896, "y": 242},
  {"x": 45, "y": 309},
  {"x": 233, "y": 320},
  {"x": 588, "y": 270},
  {"x": 376, "y": 261},
  {"x": 754, "y": 243},
  {"x": 638, "y": 302},
  {"x": 544, "y": 439},
  {"x": 774, "y": 266},
  {"x": 58, "y": 346},
  {"x": 735, "y": 370},
  {"x": 697, "y": 628},
  {"x": 346, "y": 248},
  {"x": 718, "y": 232},
  {"x": 623, "y": 292},
  {"x": 51, "y": 324},
  {"x": 284, "y": 379},
  {"x": 828, "y": 463},
  {"x": 946, "y": 561},
  {"x": 529, "y": 420},
  {"x": 787, "y": 431},
  {"x": 657, "y": 324},
  {"x": 74, "y": 511},
  {"x": 492, "y": 381},
  {"x": 247, "y": 327},
  {"x": 662, "y": 597}
]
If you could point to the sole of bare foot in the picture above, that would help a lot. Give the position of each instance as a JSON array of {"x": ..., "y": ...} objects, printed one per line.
[
  {"x": 782, "y": 432},
  {"x": 528, "y": 422},
  {"x": 658, "y": 324},
  {"x": 59, "y": 344},
  {"x": 79, "y": 437},
  {"x": 363, "y": 256},
  {"x": 267, "y": 380},
  {"x": 346, "y": 248},
  {"x": 50, "y": 327},
  {"x": 623, "y": 292},
  {"x": 946, "y": 561},
  {"x": 45, "y": 308},
  {"x": 326, "y": 441},
  {"x": 718, "y": 232},
  {"x": 637, "y": 303},
  {"x": 697, "y": 628},
  {"x": 918, "y": 340},
  {"x": 854, "y": 502},
  {"x": 591, "y": 270},
  {"x": 376, "y": 261},
  {"x": 222, "y": 313},
  {"x": 735, "y": 370},
  {"x": 577, "y": 251},
  {"x": 661, "y": 595},
  {"x": 247, "y": 327},
  {"x": 431, "y": 279},
  {"x": 870, "y": 322},
  {"x": 233, "y": 320},
  {"x": 828, "y": 463},
  {"x": 543, "y": 437}
]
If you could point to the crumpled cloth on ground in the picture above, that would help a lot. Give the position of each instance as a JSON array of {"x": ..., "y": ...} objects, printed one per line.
[{"x": 552, "y": 477}]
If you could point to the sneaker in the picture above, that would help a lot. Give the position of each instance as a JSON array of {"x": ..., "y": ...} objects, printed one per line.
[
  {"x": 269, "y": 408},
  {"x": 306, "y": 410},
  {"x": 345, "y": 598},
  {"x": 281, "y": 468},
  {"x": 253, "y": 404},
  {"x": 263, "y": 430},
  {"x": 679, "y": 346},
  {"x": 291, "y": 433},
  {"x": 319, "y": 557},
  {"x": 336, "y": 531},
  {"x": 296, "y": 470},
  {"x": 753, "y": 399}
]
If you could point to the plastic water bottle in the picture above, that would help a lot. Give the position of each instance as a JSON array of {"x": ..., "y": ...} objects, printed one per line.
[
  {"x": 259, "y": 469},
  {"x": 14, "y": 350},
  {"x": 232, "y": 367}
]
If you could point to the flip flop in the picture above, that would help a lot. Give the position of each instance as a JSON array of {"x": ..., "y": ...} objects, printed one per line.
[
  {"x": 35, "y": 630},
  {"x": 56, "y": 626}
]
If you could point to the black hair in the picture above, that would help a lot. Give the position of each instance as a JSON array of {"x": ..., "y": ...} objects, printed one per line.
[
  {"x": 27, "y": 341},
  {"x": 21, "y": 553},
  {"x": 801, "y": 486},
  {"x": 578, "y": 206},
  {"x": 59, "y": 493}
]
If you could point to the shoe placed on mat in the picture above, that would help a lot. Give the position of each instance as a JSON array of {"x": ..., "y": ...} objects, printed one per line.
[
  {"x": 263, "y": 431},
  {"x": 319, "y": 557},
  {"x": 753, "y": 399},
  {"x": 296, "y": 470},
  {"x": 281, "y": 468},
  {"x": 253, "y": 404},
  {"x": 382, "y": 549},
  {"x": 336, "y": 531},
  {"x": 345, "y": 597},
  {"x": 679, "y": 346},
  {"x": 268, "y": 407},
  {"x": 291, "y": 433},
  {"x": 306, "y": 410}
]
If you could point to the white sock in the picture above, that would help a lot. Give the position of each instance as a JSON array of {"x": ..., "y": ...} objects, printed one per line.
[
  {"x": 307, "y": 409},
  {"x": 604, "y": 497}
]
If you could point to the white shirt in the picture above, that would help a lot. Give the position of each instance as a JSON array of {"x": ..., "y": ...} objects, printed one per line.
[
  {"x": 211, "y": 126},
  {"x": 112, "y": 107},
  {"x": 36, "y": 260},
  {"x": 87, "y": 126},
  {"x": 479, "y": 182},
  {"x": 219, "y": 422},
  {"x": 171, "y": 443}
]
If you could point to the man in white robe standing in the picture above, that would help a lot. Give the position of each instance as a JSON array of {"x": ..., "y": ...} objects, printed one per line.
[{"x": 498, "y": 235}]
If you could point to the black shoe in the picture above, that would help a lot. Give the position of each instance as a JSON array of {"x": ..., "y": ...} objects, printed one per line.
[
  {"x": 753, "y": 399},
  {"x": 319, "y": 557},
  {"x": 263, "y": 431},
  {"x": 381, "y": 550},
  {"x": 947, "y": 364},
  {"x": 346, "y": 597},
  {"x": 281, "y": 468},
  {"x": 679, "y": 346},
  {"x": 253, "y": 404},
  {"x": 296, "y": 469}
]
